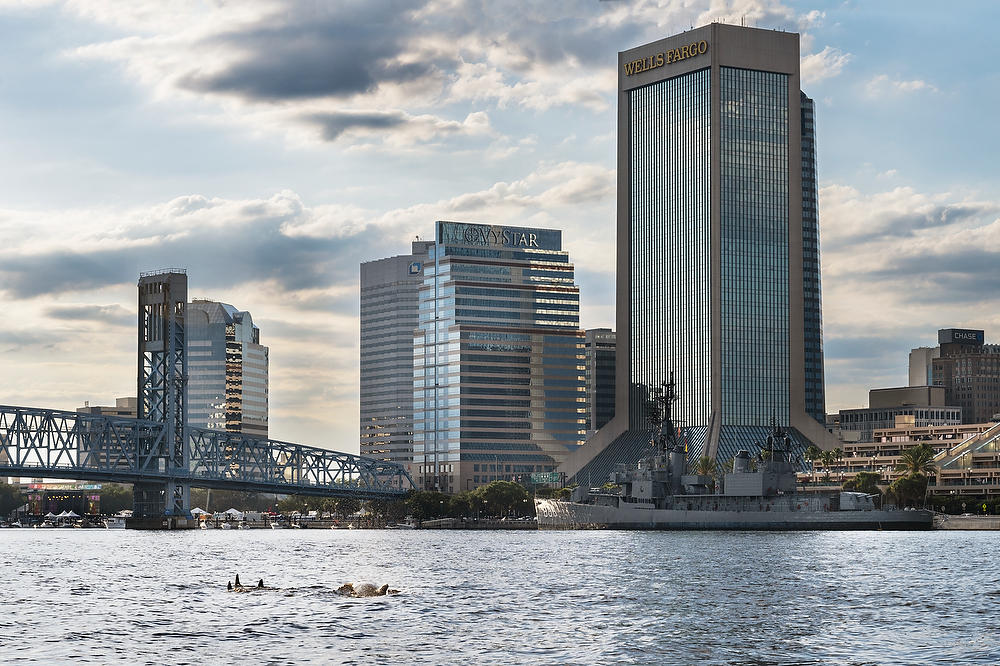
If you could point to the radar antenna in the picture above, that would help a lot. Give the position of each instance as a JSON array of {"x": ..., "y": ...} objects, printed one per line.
[{"x": 661, "y": 415}]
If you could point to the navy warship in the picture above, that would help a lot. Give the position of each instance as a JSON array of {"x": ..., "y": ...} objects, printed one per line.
[{"x": 759, "y": 493}]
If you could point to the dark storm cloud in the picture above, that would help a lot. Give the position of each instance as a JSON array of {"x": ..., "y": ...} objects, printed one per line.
[
  {"x": 335, "y": 124},
  {"x": 310, "y": 51},
  {"x": 216, "y": 257},
  {"x": 963, "y": 277},
  {"x": 315, "y": 51},
  {"x": 103, "y": 314}
]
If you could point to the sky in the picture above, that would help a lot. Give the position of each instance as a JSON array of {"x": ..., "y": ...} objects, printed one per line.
[{"x": 271, "y": 147}]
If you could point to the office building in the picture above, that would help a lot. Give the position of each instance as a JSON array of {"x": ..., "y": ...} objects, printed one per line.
[
  {"x": 227, "y": 370},
  {"x": 498, "y": 368},
  {"x": 125, "y": 407},
  {"x": 388, "y": 318},
  {"x": 963, "y": 456},
  {"x": 718, "y": 246},
  {"x": 969, "y": 371},
  {"x": 903, "y": 407},
  {"x": 921, "y": 372},
  {"x": 599, "y": 346}
]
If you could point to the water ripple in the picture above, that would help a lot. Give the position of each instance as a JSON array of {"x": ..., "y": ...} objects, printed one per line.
[{"x": 500, "y": 597}]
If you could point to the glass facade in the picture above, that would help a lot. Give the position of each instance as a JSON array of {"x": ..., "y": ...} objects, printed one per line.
[
  {"x": 227, "y": 370},
  {"x": 669, "y": 144},
  {"x": 389, "y": 293},
  {"x": 498, "y": 367},
  {"x": 601, "y": 350},
  {"x": 815, "y": 392},
  {"x": 754, "y": 247},
  {"x": 709, "y": 226}
]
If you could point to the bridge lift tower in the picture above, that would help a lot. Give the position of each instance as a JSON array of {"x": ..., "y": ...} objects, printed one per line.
[{"x": 162, "y": 393}]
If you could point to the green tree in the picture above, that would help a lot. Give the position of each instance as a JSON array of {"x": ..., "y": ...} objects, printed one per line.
[
  {"x": 461, "y": 505},
  {"x": 293, "y": 503},
  {"x": 390, "y": 511},
  {"x": 813, "y": 453},
  {"x": 826, "y": 459},
  {"x": 545, "y": 492},
  {"x": 865, "y": 482},
  {"x": 504, "y": 497},
  {"x": 909, "y": 490},
  {"x": 705, "y": 466},
  {"x": 10, "y": 498},
  {"x": 917, "y": 460},
  {"x": 115, "y": 497},
  {"x": 427, "y": 504},
  {"x": 916, "y": 463}
]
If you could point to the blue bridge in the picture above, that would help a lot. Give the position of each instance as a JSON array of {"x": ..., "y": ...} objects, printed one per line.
[{"x": 164, "y": 457}]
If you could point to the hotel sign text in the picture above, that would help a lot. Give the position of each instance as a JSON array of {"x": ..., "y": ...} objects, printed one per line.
[
  {"x": 486, "y": 235},
  {"x": 665, "y": 58}
]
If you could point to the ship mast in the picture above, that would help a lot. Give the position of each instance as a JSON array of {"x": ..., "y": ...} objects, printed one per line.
[{"x": 661, "y": 416}]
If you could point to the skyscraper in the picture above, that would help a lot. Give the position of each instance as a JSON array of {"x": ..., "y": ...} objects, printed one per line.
[
  {"x": 227, "y": 367},
  {"x": 718, "y": 251},
  {"x": 600, "y": 344},
  {"x": 498, "y": 365},
  {"x": 388, "y": 318}
]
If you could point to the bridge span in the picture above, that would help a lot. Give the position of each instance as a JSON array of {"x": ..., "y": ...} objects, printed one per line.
[
  {"x": 70, "y": 445},
  {"x": 159, "y": 453}
]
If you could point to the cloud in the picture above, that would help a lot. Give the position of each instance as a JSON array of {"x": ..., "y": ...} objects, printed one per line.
[
  {"x": 227, "y": 241},
  {"x": 280, "y": 239},
  {"x": 883, "y": 85},
  {"x": 933, "y": 257},
  {"x": 343, "y": 69},
  {"x": 403, "y": 127},
  {"x": 115, "y": 314},
  {"x": 823, "y": 65}
]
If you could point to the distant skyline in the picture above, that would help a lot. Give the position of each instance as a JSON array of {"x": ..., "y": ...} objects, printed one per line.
[{"x": 269, "y": 148}]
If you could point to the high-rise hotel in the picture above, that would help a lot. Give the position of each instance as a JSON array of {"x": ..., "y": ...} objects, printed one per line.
[
  {"x": 718, "y": 246},
  {"x": 498, "y": 357}
]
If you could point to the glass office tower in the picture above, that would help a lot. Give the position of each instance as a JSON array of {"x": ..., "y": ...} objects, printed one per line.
[
  {"x": 389, "y": 295},
  {"x": 718, "y": 253},
  {"x": 227, "y": 370},
  {"x": 498, "y": 357}
]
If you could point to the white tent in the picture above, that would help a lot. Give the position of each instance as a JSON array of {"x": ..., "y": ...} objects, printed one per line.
[
  {"x": 51, "y": 515},
  {"x": 233, "y": 512},
  {"x": 198, "y": 511},
  {"x": 64, "y": 514},
  {"x": 72, "y": 514}
]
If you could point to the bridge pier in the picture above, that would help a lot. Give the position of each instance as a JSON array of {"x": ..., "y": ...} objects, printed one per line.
[
  {"x": 162, "y": 396},
  {"x": 161, "y": 506}
]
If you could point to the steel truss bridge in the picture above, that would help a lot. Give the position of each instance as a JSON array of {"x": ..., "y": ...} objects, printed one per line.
[
  {"x": 70, "y": 445},
  {"x": 158, "y": 452}
]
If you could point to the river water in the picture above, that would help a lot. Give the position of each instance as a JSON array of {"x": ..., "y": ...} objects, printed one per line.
[{"x": 604, "y": 597}]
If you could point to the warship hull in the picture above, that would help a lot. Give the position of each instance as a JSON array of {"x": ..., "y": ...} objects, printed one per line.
[{"x": 553, "y": 515}]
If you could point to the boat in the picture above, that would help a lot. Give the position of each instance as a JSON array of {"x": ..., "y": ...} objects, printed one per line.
[
  {"x": 114, "y": 522},
  {"x": 226, "y": 526},
  {"x": 758, "y": 494},
  {"x": 277, "y": 526}
]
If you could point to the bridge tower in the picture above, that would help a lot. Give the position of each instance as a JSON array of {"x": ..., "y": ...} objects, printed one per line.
[{"x": 162, "y": 391}]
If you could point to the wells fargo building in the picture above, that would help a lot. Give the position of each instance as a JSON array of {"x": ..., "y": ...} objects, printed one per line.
[{"x": 718, "y": 252}]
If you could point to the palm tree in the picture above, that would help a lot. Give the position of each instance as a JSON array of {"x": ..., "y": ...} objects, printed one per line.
[
  {"x": 917, "y": 460},
  {"x": 827, "y": 458},
  {"x": 813, "y": 453},
  {"x": 705, "y": 466}
]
